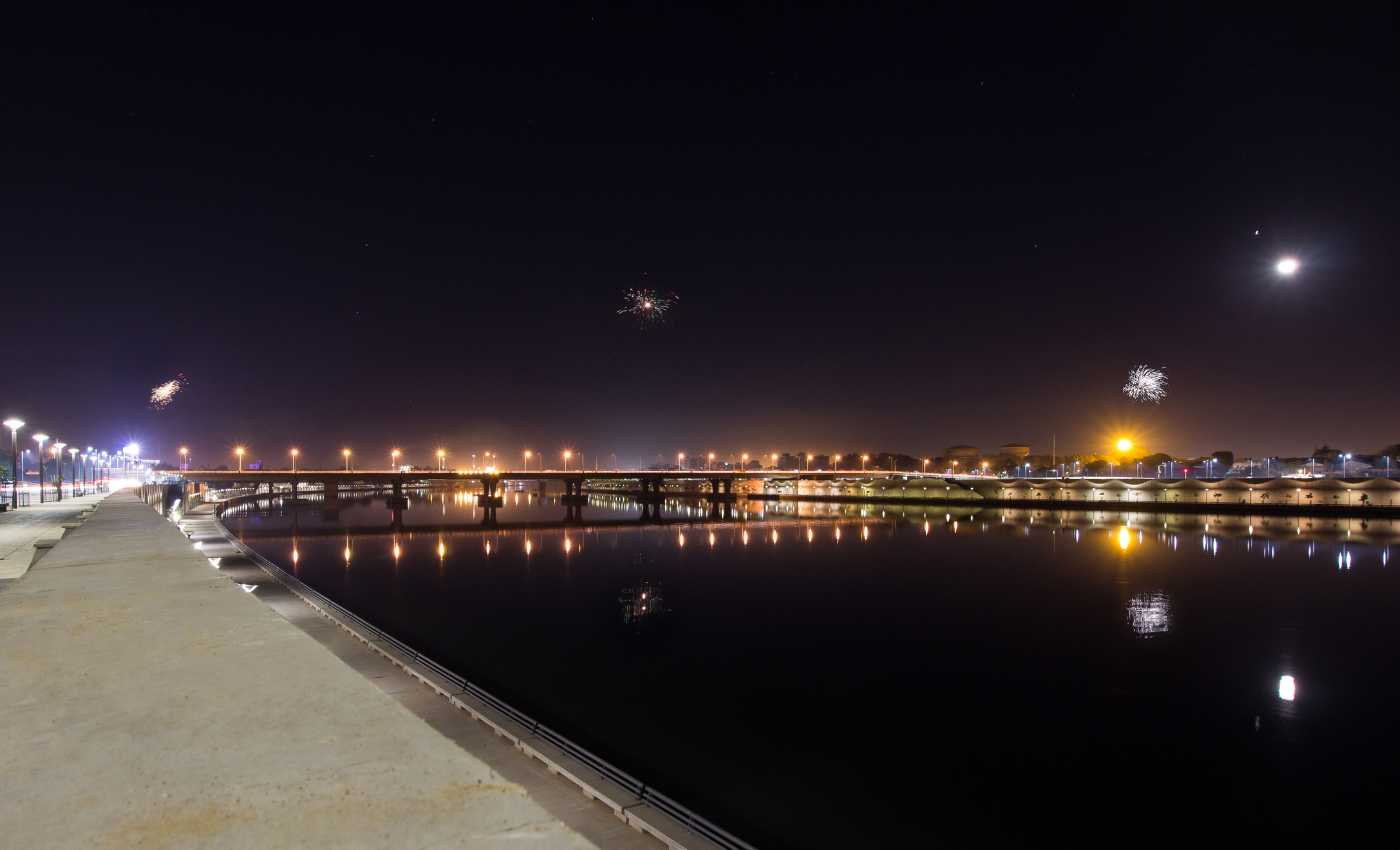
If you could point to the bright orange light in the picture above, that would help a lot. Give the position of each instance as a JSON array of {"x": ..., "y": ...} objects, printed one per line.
[
  {"x": 345, "y": 452},
  {"x": 441, "y": 454},
  {"x": 184, "y": 451},
  {"x": 1124, "y": 538},
  {"x": 1124, "y": 444},
  {"x": 296, "y": 452},
  {"x": 238, "y": 451}
]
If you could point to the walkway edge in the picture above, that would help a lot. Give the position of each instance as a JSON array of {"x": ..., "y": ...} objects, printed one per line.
[{"x": 641, "y": 807}]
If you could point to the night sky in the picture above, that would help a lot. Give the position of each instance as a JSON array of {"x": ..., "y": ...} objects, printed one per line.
[{"x": 890, "y": 231}]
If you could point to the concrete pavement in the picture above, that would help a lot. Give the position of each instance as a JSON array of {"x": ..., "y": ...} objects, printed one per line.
[
  {"x": 31, "y": 530},
  {"x": 148, "y": 701}
]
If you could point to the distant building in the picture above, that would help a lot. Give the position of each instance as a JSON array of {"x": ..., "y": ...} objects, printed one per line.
[
  {"x": 962, "y": 454},
  {"x": 1019, "y": 451}
]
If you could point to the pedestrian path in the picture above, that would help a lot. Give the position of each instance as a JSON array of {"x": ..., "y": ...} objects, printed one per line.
[
  {"x": 28, "y": 531},
  {"x": 149, "y": 701}
]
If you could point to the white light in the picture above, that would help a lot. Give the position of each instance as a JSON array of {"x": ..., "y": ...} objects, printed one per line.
[
  {"x": 1287, "y": 688},
  {"x": 1288, "y": 266}
]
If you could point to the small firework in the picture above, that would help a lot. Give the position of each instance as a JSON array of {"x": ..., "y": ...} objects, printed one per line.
[
  {"x": 1146, "y": 384},
  {"x": 163, "y": 394},
  {"x": 647, "y": 306}
]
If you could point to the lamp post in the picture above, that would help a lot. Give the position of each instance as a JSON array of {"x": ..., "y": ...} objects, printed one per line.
[
  {"x": 680, "y": 460},
  {"x": 14, "y": 425},
  {"x": 57, "y": 452},
  {"x": 394, "y": 458},
  {"x": 710, "y": 461},
  {"x": 294, "y": 452},
  {"x": 442, "y": 459},
  {"x": 239, "y": 452},
  {"x": 184, "y": 459},
  {"x": 809, "y": 461},
  {"x": 346, "y": 454},
  {"x": 567, "y": 454},
  {"x": 774, "y": 456},
  {"x": 73, "y": 462},
  {"x": 863, "y": 460},
  {"x": 528, "y": 455},
  {"x": 925, "y": 465}
]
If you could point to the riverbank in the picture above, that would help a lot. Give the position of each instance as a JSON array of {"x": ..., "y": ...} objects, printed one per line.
[{"x": 150, "y": 701}]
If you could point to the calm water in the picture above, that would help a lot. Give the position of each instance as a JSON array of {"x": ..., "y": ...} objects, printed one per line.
[{"x": 822, "y": 676}]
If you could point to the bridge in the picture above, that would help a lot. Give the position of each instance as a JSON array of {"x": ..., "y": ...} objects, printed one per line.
[
  {"x": 649, "y": 490},
  {"x": 1378, "y": 496}
]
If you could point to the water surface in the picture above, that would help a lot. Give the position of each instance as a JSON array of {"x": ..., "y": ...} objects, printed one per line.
[{"x": 817, "y": 675}]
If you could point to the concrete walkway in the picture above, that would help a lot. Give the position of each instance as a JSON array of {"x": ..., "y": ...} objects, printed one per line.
[
  {"x": 148, "y": 701},
  {"x": 28, "y": 531}
]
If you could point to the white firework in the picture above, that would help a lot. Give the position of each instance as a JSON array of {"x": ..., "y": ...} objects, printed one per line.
[
  {"x": 1146, "y": 383},
  {"x": 163, "y": 394},
  {"x": 647, "y": 306}
]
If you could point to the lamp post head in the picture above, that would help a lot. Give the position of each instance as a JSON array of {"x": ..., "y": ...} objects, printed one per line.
[
  {"x": 14, "y": 424},
  {"x": 40, "y": 438},
  {"x": 60, "y": 446}
]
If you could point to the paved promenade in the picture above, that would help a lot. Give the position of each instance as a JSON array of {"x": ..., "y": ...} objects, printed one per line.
[
  {"x": 27, "y": 531},
  {"x": 146, "y": 700}
]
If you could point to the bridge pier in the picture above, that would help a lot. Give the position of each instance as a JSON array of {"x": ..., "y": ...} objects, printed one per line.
[{"x": 573, "y": 493}]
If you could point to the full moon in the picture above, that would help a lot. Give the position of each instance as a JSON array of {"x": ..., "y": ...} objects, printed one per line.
[{"x": 1286, "y": 266}]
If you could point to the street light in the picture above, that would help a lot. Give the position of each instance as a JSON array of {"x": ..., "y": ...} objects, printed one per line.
[
  {"x": 835, "y": 463},
  {"x": 925, "y": 465},
  {"x": 394, "y": 458},
  {"x": 239, "y": 452},
  {"x": 14, "y": 425},
  {"x": 346, "y": 454},
  {"x": 680, "y": 460},
  {"x": 744, "y": 461},
  {"x": 568, "y": 453},
  {"x": 294, "y": 452},
  {"x": 442, "y": 459},
  {"x": 184, "y": 459},
  {"x": 711, "y": 459},
  {"x": 73, "y": 461},
  {"x": 528, "y": 455},
  {"x": 863, "y": 459},
  {"x": 57, "y": 452},
  {"x": 774, "y": 456}
]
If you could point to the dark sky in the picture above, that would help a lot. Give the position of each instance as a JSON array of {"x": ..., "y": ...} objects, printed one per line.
[{"x": 887, "y": 231}]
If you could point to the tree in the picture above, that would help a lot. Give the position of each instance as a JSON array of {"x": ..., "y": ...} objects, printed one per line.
[
  {"x": 1326, "y": 453},
  {"x": 1154, "y": 461},
  {"x": 1226, "y": 459}
]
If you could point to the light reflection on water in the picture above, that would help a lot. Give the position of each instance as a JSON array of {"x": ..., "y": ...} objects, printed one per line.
[{"x": 786, "y": 620}]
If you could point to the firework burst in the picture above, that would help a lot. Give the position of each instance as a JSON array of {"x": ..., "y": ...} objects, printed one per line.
[
  {"x": 163, "y": 394},
  {"x": 1146, "y": 383},
  {"x": 647, "y": 306}
]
